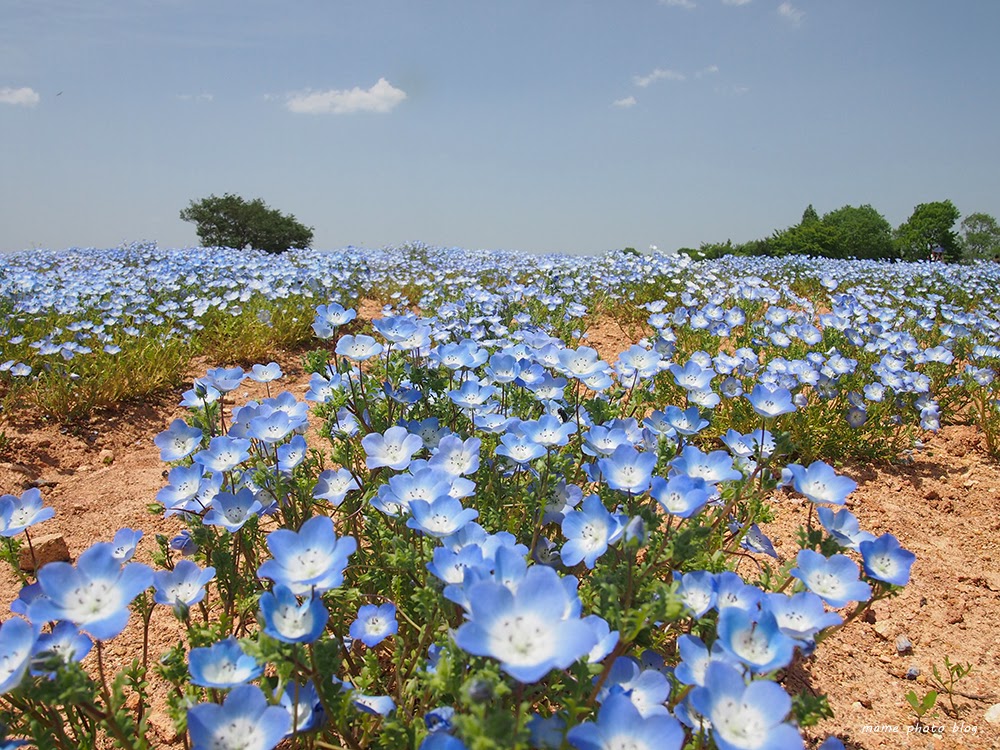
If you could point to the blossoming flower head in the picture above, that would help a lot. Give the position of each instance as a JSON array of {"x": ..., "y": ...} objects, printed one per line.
[
  {"x": 223, "y": 453},
  {"x": 821, "y": 484},
  {"x": 224, "y": 665},
  {"x": 442, "y": 516},
  {"x": 621, "y": 725},
  {"x": 394, "y": 448},
  {"x": 358, "y": 348},
  {"x": 244, "y": 721},
  {"x": 374, "y": 624},
  {"x": 94, "y": 594},
  {"x": 770, "y": 401},
  {"x": 177, "y": 441},
  {"x": 627, "y": 469},
  {"x": 17, "y": 639},
  {"x": 589, "y": 531},
  {"x": 681, "y": 495},
  {"x": 266, "y": 373},
  {"x": 288, "y": 620},
  {"x": 184, "y": 585},
  {"x": 18, "y": 513},
  {"x": 232, "y": 511},
  {"x": 885, "y": 560},
  {"x": 755, "y": 639},
  {"x": 311, "y": 558},
  {"x": 834, "y": 580},
  {"x": 742, "y": 716},
  {"x": 529, "y": 632},
  {"x": 64, "y": 644}
]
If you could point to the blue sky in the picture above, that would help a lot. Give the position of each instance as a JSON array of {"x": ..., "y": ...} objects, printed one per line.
[{"x": 543, "y": 125}]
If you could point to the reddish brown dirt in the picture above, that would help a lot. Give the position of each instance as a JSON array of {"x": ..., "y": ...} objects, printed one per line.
[{"x": 943, "y": 506}]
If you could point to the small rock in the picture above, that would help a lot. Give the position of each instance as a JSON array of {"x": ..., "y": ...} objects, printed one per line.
[
  {"x": 903, "y": 645},
  {"x": 48, "y": 548},
  {"x": 866, "y": 702},
  {"x": 85, "y": 468},
  {"x": 42, "y": 483},
  {"x": 106, "y": 456},
  {"x": 884, "y": 629},
  {"x": 856, "y": 705},
  {"x": 992, "y": 714},
  {"x": 913, "y": 672}
]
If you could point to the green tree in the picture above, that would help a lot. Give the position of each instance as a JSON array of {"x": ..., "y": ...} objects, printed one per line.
[
  {"x": 861, "y": 232},
  {"x": 231, "y": 221},
  {"x": 808, "y": 238},
  {"x": 980, "y": 237},
  {"x": 809, "y": 215},
  {"x": 929, "y": 226}
]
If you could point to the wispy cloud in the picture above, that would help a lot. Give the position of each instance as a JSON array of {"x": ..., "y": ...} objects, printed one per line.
[
  {"x": 628, "y": 101},
  {"x": 656, "y": 75},
  {"x": 792, "y": 14},
  {"x": 196, "y": 97},
  {"x": 24, "y": 97},
  {"x": 381, "y": 97},
  {"x": 707, "y": 71},
  {"x": 735, "y": 2},
  {"x": 688, "y": 4}
]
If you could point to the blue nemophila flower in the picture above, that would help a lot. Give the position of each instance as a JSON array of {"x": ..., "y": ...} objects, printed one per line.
[
  {"x": 681, "y": 495},
  {"x": 627, "y": 469},
  {"x": 224, "y": 379},
  {"x": 222, "y": 665},
  {"x": 64, "y": 645},
  {"x": 266, "y": 373},
  {"x": 695, "y": 658},
  {"x": 456, "y": 456},
  {"x": 885, "y": 560},
  {"x": 329, "y": 318},
  {"x": 334, "y": 484},
  {"x": 303, "y": 704},
  {"x": 376, "y": 705},
  {"x": 530, "y": 631},
  {"x": 271, "y": 428},
  {"x": 18, "y": 513},
  {"x": 548, "y": 431},
  {"x": 183, "y": 586},
  {"x": 244, "y": 721},
  {"x": 685, "y": 422},
  {"x": 374, "y": 624},
  {"x": 732, "y": 591},
  {"x": 821, "y": 484},
  {"x": 713, "y": 467},
  {"x": 441, "y": 741},
  {"x": 184, "y": 485},
  {"x": 17, "y": 639},
  {"x": 311, "y": 558},
  {"x": 288, "y": 620},
  {"x": 589, "y": 531},
  {"x": 95, "y": 594},
  {"x": 322, "y": 389},
  {"x": 200, "y": 396},
  {"x": 843, "y": 528},
  {"x": 620, "y": 725},
  {"x": 177, "y": 441},
  {"x": 291, "y": 454},
  {"x": 770, "y": 401},
  {"x": 471, "y": 395},
  {"x": 692, "y": 376},
  {"x": 232, "y": 511},
  {"x": 834, "y": 580},
  {"x": 394, "y": 448},
  {"x": 124, "y": 544},
  {"x": 223, "y": 453},
  {"x": 518, "y": 447},
  {"x": 358, "y": 348},
  {"x": 697, "y": 590},
  {"x": 443, "y": 516},
  {"x": 648, "y": 689},
  {"x": 742, "y": 716},
  {"x": 547, "y": 733},
  {"x": 755, "y": 639},
  {"x": 801, "y": 615}
]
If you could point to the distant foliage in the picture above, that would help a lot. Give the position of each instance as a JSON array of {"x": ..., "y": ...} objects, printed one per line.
[{"x": 231, "y": 221}]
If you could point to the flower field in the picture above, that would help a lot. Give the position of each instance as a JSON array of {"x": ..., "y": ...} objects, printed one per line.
[{"x": 433, "y": 498}]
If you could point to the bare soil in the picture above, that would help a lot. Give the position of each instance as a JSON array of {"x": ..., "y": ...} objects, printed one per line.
[{"x": 100, "y": 475}]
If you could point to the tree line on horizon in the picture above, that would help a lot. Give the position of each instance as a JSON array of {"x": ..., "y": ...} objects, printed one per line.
[{"x": 862, "y": 233}]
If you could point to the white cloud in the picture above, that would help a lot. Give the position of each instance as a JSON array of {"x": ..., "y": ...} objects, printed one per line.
[
  {"x": 382, "y": 97},
  {"x": 689, "y": 4},
  {"x": 24, "y": 97},
  {"x": 656, "y": 75},
  {"x": 706, "y": 71},
  {"x": 791, "y": 13},
  {"x": 196, "y": 97},
  {"x": 735, "y": 2},
  {"x": 628, "y": 101}
]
